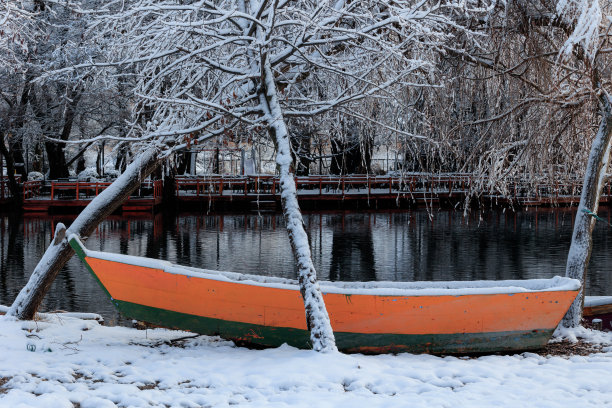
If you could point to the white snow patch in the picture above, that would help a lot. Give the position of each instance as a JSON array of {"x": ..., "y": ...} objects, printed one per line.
[{"x": 57, "y": 364}]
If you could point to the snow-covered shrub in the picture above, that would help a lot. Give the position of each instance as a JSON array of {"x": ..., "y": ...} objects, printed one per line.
[
  {"x": 89, "y": 174},
  {"x": 111, "y": 172},
  {"x": 35, "y": 176}
]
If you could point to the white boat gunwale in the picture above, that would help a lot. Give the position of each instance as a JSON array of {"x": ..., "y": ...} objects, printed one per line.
[{"x": 379, "y": 288}]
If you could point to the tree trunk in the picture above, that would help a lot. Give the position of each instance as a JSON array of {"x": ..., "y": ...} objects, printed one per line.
[
  {"x": 121, "y": 161},
  {"x": 59, "y": 252},
  {"x": 594, "y": 181},
  {"x": 317, "y": 319},
  {"x": 10, "y": 173},
  {"x": 57, "y": 160},
  {"x": 216, "y": 161}
]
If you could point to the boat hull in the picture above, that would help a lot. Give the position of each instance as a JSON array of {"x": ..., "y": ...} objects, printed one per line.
[
  {"x": 368, "y": 343},
  {"x": 269, "y": 316}
]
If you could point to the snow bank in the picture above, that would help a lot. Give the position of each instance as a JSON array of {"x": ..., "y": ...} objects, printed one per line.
[{"x": 63, "y": 362}]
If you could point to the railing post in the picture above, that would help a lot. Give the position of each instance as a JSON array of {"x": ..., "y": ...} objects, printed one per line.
[
  {"x": 77, "y": 190},
  {"x": 390, "y": 185}
]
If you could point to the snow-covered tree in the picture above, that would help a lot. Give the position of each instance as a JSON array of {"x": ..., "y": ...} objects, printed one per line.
[
  {"x": 16, "y": 33},
  {"x": 526, "y": 105},
  {"x": 589, "y": 42},
  {"x": 16, "y": 30},
  {"x": 209, "y": 69}
]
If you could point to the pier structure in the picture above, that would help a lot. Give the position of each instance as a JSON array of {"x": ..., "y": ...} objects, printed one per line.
[{"x": 316, "y": 192}]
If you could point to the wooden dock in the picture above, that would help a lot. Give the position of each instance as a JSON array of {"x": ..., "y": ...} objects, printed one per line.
[
  {"x": 73, "y": 196},
  {"x": 364, "y": 191},
  {"x": 262, "y": 193}
]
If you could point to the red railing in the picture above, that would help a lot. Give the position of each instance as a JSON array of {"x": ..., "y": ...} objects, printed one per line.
[
  {"x": 31, "y": 189},
  {"x": 78, "y": 187},
  {"x": 78, "y": 190},
  {"x": 411, "y": 185},
  {"x": 158, "y": 188},
  {"x": 416, "y": 185}
]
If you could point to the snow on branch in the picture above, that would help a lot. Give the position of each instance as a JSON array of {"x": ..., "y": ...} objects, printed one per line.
[
  {"x": 585, "y": 18},
  {"x": 194, "y": 61},
  {"x": 16, "y": 28}
]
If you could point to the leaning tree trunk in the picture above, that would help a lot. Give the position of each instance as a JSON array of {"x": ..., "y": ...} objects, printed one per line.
[
  {"x": 594, "y": 180},
  {"x": 60, "y": 251},
  {"x": 317, "y": 319}
]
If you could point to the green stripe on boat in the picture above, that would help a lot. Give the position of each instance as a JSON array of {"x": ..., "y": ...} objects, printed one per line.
[{"x": 265, "y": 336}]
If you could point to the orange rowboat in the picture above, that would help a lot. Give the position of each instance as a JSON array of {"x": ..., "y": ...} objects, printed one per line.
[{"x": 367, "y": 317}]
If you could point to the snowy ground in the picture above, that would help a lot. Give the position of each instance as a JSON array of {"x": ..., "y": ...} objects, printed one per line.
[{"x": 66, "y": 362}]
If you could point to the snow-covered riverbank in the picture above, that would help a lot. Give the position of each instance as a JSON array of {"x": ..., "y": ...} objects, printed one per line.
[{"x": 66, "y": 362}]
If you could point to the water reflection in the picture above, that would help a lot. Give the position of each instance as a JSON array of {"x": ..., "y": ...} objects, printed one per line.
[
  {"x": 400, "y": 246},
  {"x": 352, "y": 251}
]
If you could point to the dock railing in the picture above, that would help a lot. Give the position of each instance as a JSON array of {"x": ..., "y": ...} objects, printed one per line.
[
  {"x": 411, "y": 185},
  {"x": 31, "y": 189},
  {"x": 79, "y": 190}
]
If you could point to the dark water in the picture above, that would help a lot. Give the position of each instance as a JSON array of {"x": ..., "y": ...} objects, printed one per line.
[{"x": 396, "y": 246}]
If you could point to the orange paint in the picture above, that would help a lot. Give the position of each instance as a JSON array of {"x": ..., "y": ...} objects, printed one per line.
[{"x": 275, "y": 307}]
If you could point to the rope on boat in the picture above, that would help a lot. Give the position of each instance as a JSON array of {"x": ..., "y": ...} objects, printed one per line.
[{"x": 597, "y": 217}]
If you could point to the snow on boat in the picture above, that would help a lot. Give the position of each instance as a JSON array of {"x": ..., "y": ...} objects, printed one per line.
[
  {"x": 598, "y": 307},
  {"x": 367, "y": 317}
]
